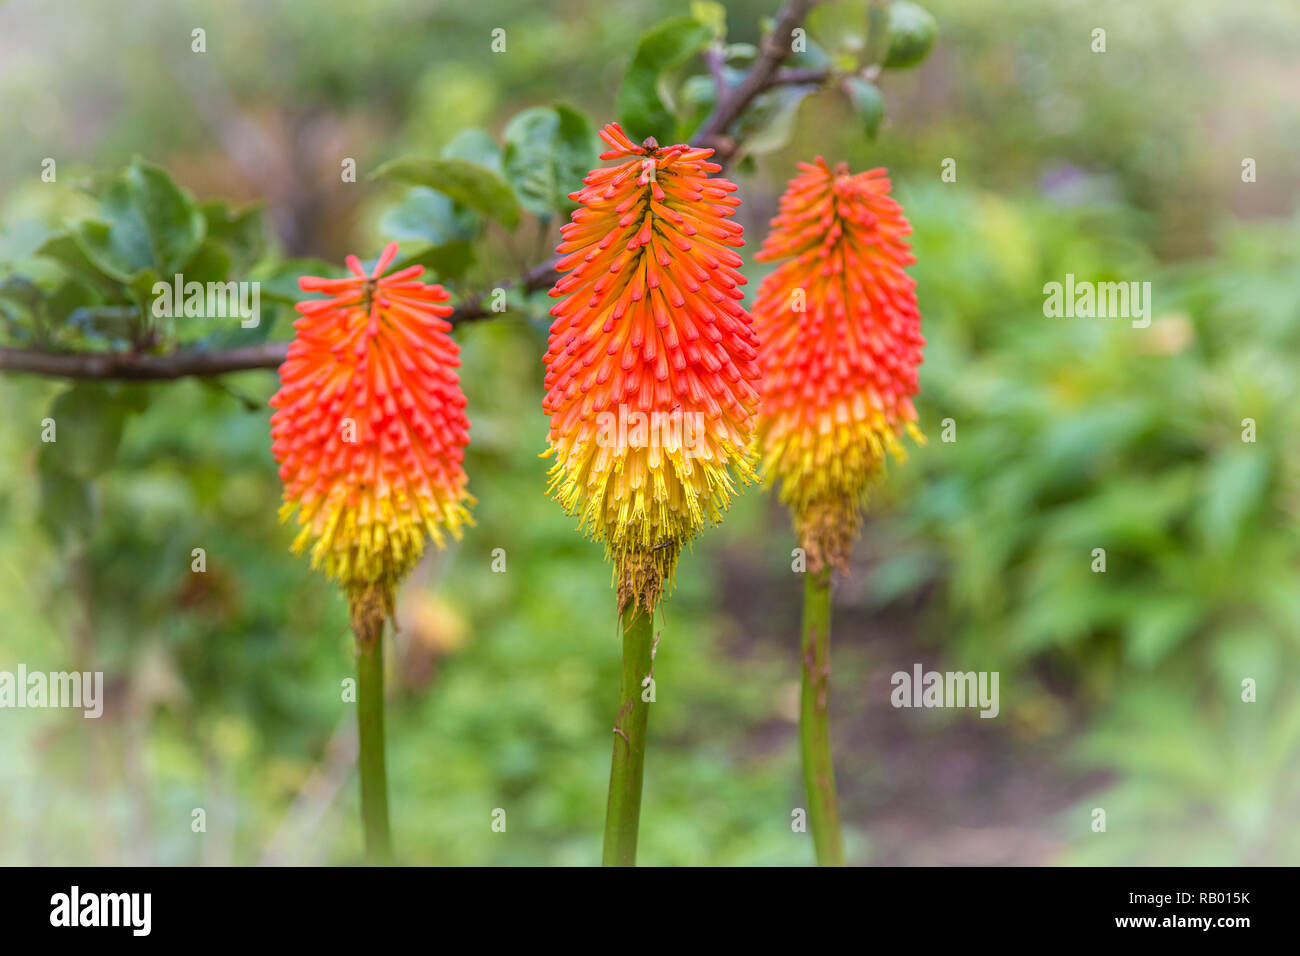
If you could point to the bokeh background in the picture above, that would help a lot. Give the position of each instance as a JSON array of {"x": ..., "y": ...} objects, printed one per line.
[{"x": 1119, "y": 691}]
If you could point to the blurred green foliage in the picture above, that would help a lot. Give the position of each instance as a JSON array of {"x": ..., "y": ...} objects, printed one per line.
[{"x": 1174, "y": 449}]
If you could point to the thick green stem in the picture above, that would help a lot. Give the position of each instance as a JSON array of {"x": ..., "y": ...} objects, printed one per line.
[
  {"x": 623, "y": 812},
  {"x": 374, "y": 773},
  {"x": 814, "y": 725}
]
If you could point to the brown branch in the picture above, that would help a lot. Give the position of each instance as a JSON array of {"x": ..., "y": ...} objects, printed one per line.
[
  {"x": 762, "y": 76},
  {"x": 715, "y": 57},
  {"x": 143, "y": 367},
  {"x": 795, "y": 77},
  {"x": 139, "y": 367}
]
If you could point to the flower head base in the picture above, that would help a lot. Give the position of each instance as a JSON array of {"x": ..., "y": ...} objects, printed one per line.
[
  {"x": 841, "y": 345},
  {"x": 370, "y": 431},
  {"x": 652, "y": 362}
]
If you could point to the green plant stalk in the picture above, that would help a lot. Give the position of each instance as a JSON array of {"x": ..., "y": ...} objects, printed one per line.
[
  {"x": 374, "y": 772},
  {"x": 623, "y": 812},
  {"x": 814, "y": 723}
]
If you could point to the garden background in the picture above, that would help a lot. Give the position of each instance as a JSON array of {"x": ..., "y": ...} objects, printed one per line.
[{"x": 1119, "y": 690}]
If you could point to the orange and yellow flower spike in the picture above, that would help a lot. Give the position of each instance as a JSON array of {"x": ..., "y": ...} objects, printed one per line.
[
  {"x": 370, "y": 431},
  {"x": 651, "y": 370},
  {"x": 841, "y": 345}
]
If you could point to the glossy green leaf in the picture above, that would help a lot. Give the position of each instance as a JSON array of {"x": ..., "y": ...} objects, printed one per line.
[
  {"x": 425, "y": 215},
  {"x": 477, "y": 146},
  {"x": 466, "y": 182},
  {"x": 242, "y": 234},
  {"x": 280, "y": 283},
  {"x": 65, "y": 250},
  {"x": 641, "y": 109},
  {"x": 770, "y": 122},
  {"x": 548, "y": 151},
  {"x": 145, "y": 221},
  {"x": 211, "y": 262},
  {"x": 868, "y": 102}
]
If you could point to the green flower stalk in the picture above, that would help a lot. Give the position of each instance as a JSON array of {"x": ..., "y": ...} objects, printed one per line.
[
  {"x": 623, "y": 811},
  {"x": 650, "y": 376},
  {"x": 841, "y": 346},
  {"x": 370, "y": 433},
  {"x": 814, "y": 720}
]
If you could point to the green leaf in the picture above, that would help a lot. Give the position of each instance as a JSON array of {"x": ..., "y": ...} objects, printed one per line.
[
  {"x": 477, "y": 146},
  {"x": 46, "y": 273},
  {"x": 236, "y": 336},
  {"x": 280, "y": 284},
  {"x": 424, "y": 215},
  {"x": 21, "y": 238},
  {"x": 88, "y": 421},
  {"x": 868, "y": 102},
  {"x": 65, "y": 250},
  {"x": 769, "y": 123},
  {"x": 119, "y": 253},
  {"x": 145, "y": 221},
  {"x": 242, "y": 234},
  {"x": 447, "y": 261},
  {"x": 211, "y": 262},
  {"x": 141, "y": 288},
  {"x": 466, "y": 182},
  {"x": 911, "y": 34},
  {"x": 548, "y": 151},
  {"x": 641, "y": 110}
]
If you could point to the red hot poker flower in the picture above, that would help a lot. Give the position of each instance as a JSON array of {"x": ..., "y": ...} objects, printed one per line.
[
  {"x": 370, "y": 430},
  {"x": 841, "y": 345},
  {"x": 651, "y": 369}
]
